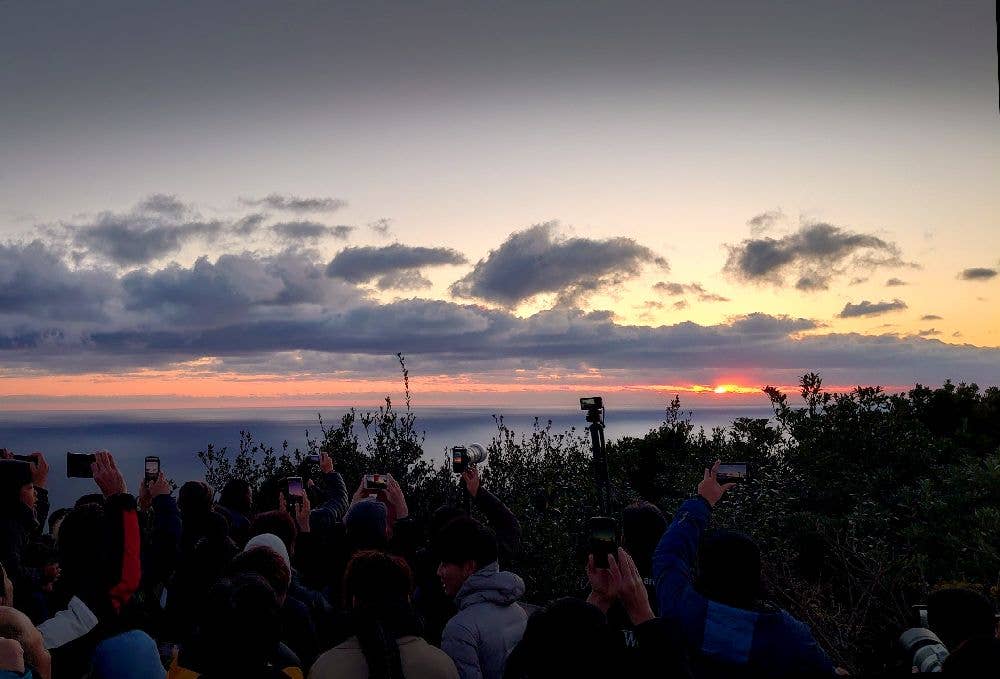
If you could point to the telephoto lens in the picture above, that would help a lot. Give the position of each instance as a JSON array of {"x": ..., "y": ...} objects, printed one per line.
[
  {"x": 924, "y": 648},
  {"x": 463, "y": 456}
]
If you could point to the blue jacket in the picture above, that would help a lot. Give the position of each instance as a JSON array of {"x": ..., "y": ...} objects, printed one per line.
[{"x": 726, "y": 641}]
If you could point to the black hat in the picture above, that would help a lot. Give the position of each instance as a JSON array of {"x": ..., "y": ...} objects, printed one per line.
[{"x": 14, "y": 475}]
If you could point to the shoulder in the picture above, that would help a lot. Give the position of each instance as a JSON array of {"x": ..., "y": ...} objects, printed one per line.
[{"x": 343, "y": 660}]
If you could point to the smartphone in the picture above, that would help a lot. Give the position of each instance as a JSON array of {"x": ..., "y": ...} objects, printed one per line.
[
  {"x": 732, "y": 472},
  {"x": 296, "y": 491},
  {"x": 376, "y": 481},
  {"x": 603, "y": 539},
  {"x": 24, "y": 458},
  {"x": 313, "y": 457},
  {"x": 78, "y": 465},
  {"x": 152, "y": 468}
]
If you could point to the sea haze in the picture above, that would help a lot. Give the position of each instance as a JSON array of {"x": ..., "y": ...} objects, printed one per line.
[{"x": 177, "y": 435}]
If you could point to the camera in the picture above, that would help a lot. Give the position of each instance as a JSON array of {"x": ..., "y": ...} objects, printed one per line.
[
  {"x": 152, "y": 468},
  {"x": 376, "y": 482},
  {"x": 591, "y": 403},
  {"x": 462, "y": 456},
  {"x": 924, "y": 648},
  {"x": 602, "y": 539},
  {"x": 78, "y": 465},
  {"x": 732, "y": 472}
]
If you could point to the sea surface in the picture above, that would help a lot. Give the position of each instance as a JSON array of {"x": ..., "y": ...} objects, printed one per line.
[{"x": 177, "y": 435}]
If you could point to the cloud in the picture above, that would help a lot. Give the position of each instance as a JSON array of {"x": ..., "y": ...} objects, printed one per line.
[
  {"x": 895, "y": 282},
  {"x": 680, "y": 304},
  {"x": 381, "y": 227},
  {"x": 931, "y": 317},
  {"x": 163, "y": 204},
  {"x": 248, "y": 225},
  {"x": 136, "y": 238},
  {"x": 977, "y": 274},
  {"x": 930, "y": 332},
  {"x": 866, "y": 308},
  {"x": 858, "y": 280},
  {"x": 765, "y": 220},
  {"x": 814, "y": 254},
  {"x": 289, "y": 203},
  {"x": 677, "y": 289},
  {"x": 395, "y": 266},
  {"x": 307, "y": 230},
  {"x": 538, "y": 260}
]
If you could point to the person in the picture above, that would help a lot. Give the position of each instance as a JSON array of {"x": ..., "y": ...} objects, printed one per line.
[
  {"x": 489, "y": 621},
  {"x": 24, "y": 507},
  {"x": 730, "y": 631},
  {"x": 236, "y": 506},
  {"x": 385, "y": 643},
  {"x": 15, "y": 625},
  {"x": 239, "y": 635},
  {"x": 198, "y": 518},
  {"x": 957, "y": 614},
  {"x": 99, "y": 557}
]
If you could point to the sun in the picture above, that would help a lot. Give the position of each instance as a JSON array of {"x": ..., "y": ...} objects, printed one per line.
[{"x": 721, "y": 389}]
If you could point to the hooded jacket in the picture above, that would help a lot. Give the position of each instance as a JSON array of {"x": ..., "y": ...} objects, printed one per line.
[
  {"x": 725, "y": 641},
  {"x": 488, "y": 625}
]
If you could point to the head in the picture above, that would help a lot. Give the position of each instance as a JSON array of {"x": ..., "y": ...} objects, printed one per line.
[
  {"x": 367, "y": 525},
  {"x": 7, "y": 592},
  {"x": 729, "y": 568},
  {"x": 15, "y": 625},
  {"x": 956, "y": 614},
  {"x": 376, "y": 581},
  {"x": 90, "y": 499},
  {"x": 194, "y": 497},
  {"x": 15, "y": 483},
  {"x": 643, "y": 524},
  {"x": 275, "y": 523},
  {"x": 240, "y": 625},
  {"x": 568, "y": 638},
  {"x": 463, "y": 547},
  {"x": 82, "y": 549},
  {"x": 236, "y": 495},
  {"x": 268, "y": 564}
]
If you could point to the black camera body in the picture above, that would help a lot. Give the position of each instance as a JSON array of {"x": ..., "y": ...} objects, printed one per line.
[{"x": 462, "y": 457}]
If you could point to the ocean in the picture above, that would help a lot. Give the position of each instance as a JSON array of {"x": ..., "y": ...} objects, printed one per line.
[{"x": 177, "y": 435}]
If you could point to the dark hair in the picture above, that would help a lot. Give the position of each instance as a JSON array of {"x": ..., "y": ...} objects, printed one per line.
[
  {"x": 377, "y": 587},
  {"x": 643, "y": 524},
  {"x": 89, "y": 499},
  {"x": 85, "y": 552},
  {"x": 729, "y": 569},
  {"x": 240, "y": 629},
  {"x": 956, "y": 614},
  {"x": 235, "y": 495},
  {"x": 977, "y": 657},
  {"x": 465, "y": 539},
  {"x": 195, "y": 497},
  {"x": 266, "y": 563},
  {"x": 277, "y": 523},
  {"x": 568, "y": 638}
]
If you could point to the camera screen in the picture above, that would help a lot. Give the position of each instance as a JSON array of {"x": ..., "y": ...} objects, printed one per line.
[
  {"x": 376, "y": 482},
  {"x": 78, "y": 465},
  {"x": 295, "y": 488},
  {"x": 603, "y": 540},
  {"x": 732, "y": 472},
  {"x": 458, "y": 455},
  {"x": 152, "y": 467}
]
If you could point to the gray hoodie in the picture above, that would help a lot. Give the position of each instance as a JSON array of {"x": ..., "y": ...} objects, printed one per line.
[{"x": 488, "y": 625}]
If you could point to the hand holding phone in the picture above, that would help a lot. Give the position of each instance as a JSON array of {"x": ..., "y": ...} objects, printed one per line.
[{"x": 294, "y": 489}]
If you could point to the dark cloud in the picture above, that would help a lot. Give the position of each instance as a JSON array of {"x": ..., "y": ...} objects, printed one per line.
[
  {"x": 680, "y": 304},
  {"x": 677, "y": 289},
  {"x": 35, "y": 283},
  {"x": 929, "y": 332},
  {"x": 895, "y": 283},
  {"x": 764, "y": 221},
  {"x": 977, "y": 274},
  {"x": 247, "y": 225},
  {"x": 815, "y": 253},
  {"x": 307, "y": 230},
  {"x": 134, "y": 239},
  {"x": 537, "y": 260},
  {"x": 866, "y": 308},
  {"x": 395, "y": 266},
  {"x": 931, "y": 317},
  {"x": 858, "y": 280},
  {"x": 163, "y": 204},
  {"x": 278, "y": 201},
  {"x": 381, "y": 227}
]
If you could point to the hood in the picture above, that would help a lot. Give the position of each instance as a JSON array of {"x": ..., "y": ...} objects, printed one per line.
[
  {"x": 490, "y": 585},
  {"x": 272, "y": 542}
]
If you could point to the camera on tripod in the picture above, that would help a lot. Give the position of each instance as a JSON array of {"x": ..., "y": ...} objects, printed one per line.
[{"x": 462, "y": 457}]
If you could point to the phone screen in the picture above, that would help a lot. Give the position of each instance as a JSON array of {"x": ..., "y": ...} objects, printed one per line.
[
  {"x": 375, "y": 482},
  {"x": 732, "y": 472},
  {"x": 295, "y": 489},
  {"x": 603, "y": 539},
  {"x": 152, "y": 468},
  {"x": 78, "y": 465}
]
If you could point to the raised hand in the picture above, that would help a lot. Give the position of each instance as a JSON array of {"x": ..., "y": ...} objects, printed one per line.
[
  {"x": 39, "y": 470},
  {"x": 106, "y": 474},
  {"x": 631, "y": 590},
  {"x": 709, "y": 487},
  {"x": 302, "y": 510},
  {"x": 394, "y": 496},
  {"x": 603, "y": 590},
  {"x": 325, "y": 463},
  {"x": 471, "y": 478}
]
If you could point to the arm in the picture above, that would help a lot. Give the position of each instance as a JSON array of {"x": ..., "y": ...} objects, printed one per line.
[
  {"x": 123, "y": 531},
  {"x": 498, "y": 516},
  {"x": 459, "y": 643},
  {"x": 333, "y": 502},
  {"x": 159, "y": 558}
]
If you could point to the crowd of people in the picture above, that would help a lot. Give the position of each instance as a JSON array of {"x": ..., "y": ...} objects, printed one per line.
[{"x": 270, "y": 585}]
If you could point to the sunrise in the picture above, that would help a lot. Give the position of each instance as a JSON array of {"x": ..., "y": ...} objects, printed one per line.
[{"x": 499, "y": 340}]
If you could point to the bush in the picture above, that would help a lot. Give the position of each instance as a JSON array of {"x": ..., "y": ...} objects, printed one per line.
[{"x": 862, "y": 502}]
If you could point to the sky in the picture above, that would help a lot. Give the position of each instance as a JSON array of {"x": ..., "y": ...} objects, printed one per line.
[{"x": 260, "y": 203}]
